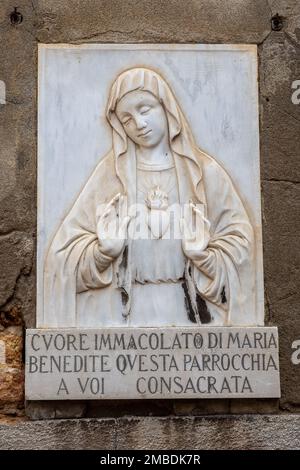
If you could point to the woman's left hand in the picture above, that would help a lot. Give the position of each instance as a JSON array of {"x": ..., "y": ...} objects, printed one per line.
[{"x": 195, "y": 233}]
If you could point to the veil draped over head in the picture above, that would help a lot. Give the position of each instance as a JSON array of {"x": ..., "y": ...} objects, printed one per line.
[
  {"x": 76, "y": 273},
  {"x": 180, "y": 137}
]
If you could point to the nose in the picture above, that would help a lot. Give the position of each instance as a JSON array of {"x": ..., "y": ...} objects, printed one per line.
[{"x": 140, "y": 122}]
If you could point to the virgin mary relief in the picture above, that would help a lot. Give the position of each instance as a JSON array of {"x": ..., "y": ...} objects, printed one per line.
[{"x": 158, "y": 235}]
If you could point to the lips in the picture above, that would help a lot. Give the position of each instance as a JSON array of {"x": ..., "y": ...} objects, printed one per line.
[{"x": 145, "y": 133}]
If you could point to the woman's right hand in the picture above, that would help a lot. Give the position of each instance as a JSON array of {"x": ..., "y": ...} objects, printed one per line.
[{"x": 112, "y": 227}]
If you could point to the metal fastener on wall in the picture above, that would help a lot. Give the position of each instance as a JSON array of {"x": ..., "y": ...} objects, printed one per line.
[
  {"x": 277, "y": 23},
  {"x": 16, "y": 17}
]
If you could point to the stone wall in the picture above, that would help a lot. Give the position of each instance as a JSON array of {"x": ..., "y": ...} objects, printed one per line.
[
  {"x": 247, "y": 432},
  {"x": 151, "y": 21}
]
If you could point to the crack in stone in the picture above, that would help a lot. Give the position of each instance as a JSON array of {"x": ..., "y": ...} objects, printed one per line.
[
  {"x": 288, "y": 296},
  {"x": 34, "y": 8},
  {"x": 31, "y": 34},
  {"x": 291, "y": 40},
  {"x": 12, "y": 295},
  {"x": 265, "y": 38},
  {"x": 268, "y": 307},
  {"x": 99, "y": 33},
  {"x": 281, "y": 111},
  {"x": 278, "y": 180},
  {"x": 270, "y": 8},
  {"x": 9, "y": 232},
  {"x": 24, "y": 271}
]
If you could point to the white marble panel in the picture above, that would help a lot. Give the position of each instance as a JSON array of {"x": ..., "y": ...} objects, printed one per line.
[
  {"x": 143, "y": 363},
  {"x": 215, "y": 87}
]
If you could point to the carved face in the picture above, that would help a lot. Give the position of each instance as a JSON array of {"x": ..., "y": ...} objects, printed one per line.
[{"x": 143, "y": 118}]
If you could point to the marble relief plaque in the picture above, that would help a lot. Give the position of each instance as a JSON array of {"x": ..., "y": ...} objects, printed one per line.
[
  {"x": 148, "y": 194},
  {"x": 152, "y": 363}
]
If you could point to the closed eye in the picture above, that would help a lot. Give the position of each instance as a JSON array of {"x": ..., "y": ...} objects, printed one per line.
[{"x": 145, "y": 109}]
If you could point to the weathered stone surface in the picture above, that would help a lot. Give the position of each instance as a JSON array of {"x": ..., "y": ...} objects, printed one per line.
[
  {"x": 280, "y": 118},
  {"x": 201, "y": 407},
  {"x": 53, "y": 410},
  {"x": 281, "y": 232},
  {"x": 120, "y": 408},
  {"x": 231, "y": 432},
  {"x": 11, "y": 386},
  {"x": 289, "y": 10},
  {"x": 99, "y": 409},
  {"x": 16, "y": 254},
  {"x": 220, "y": 407},
  {"x": 11, "y": 369},
  {"x": 12, "y": 337},
  {"x": 280, "y": 173},
  {"x": 200, "y": 21},
  {"x": 17, "y": 165},
  {"x": 155, "y": 21},
  {"x": 263, "y": 432},
  {"x": 282, "y": 266}
]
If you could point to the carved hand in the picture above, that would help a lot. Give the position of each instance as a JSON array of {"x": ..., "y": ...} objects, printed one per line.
[
  {"x": 195, "y": 233},
  {"x": 112, "y": 227}
]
